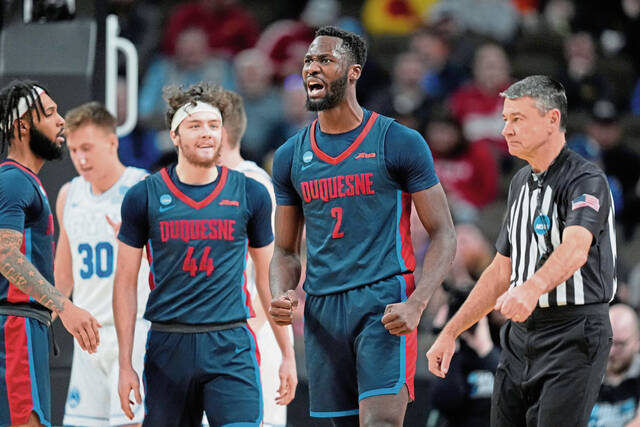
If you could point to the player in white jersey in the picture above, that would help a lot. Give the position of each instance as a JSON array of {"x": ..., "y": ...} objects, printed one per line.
[
  {"x": 88, "y": 210},
  {"x": 275, "y": 410}
]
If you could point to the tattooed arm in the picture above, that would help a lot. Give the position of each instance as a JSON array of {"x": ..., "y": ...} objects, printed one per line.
[{"x": 24, "y": 276}]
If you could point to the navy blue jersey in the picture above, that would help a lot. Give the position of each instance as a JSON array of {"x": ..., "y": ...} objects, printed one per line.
[
  {"x": 354, "y": 192},
  {"x": 24, "y": 207},
  {"x": 197, "y": 249}
]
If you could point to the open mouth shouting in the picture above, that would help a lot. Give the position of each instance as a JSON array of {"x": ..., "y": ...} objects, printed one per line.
[{"x": 316, "y": 88}]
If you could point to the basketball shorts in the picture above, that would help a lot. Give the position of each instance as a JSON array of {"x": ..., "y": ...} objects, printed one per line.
[
  {"x": 216, "y": 372},
  {"x": 270, "y": 358},
  {"x": 92, "y": 399},
  {"x": 25, "y": 385},
  {"x": 349, "y": 354}
]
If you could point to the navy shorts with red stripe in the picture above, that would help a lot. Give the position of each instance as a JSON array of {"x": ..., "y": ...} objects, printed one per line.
[
  {"x": 216, "y": 372},
  {"x": 25, "y": 385},
  {"x": 349, "y": 354}
]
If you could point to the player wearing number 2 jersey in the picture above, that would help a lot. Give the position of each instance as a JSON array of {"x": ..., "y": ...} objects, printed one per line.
[
  {"x": 198, "y": 222},
  {"x": 88, "y": 208},
  {"x": 350, "y": 177}
]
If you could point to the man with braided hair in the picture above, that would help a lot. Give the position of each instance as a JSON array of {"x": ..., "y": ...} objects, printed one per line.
[
  {"x": 33, "y": 130},
  {"x": 198, "y": 221}
]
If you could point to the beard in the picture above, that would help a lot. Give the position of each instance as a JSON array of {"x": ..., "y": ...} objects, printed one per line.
[
  {"x": 335, "y": 94},
  {"x": 43, "y": 147},
  {"x": 193, "y": 158}
]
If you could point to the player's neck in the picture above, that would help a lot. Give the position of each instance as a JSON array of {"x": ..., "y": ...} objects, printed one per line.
[
  {"x": 19, "y": 152},
  {"x": 104, "y": 183},
  {"x": 195, "y": 175},
  {"x": 342, "y": 118},
  {"x": 542, "y": 158}
]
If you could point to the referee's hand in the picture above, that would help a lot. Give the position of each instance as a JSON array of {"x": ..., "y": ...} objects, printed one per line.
[
  {"x": 518, "y": 303},
  {"x": 440, "y": 354}
]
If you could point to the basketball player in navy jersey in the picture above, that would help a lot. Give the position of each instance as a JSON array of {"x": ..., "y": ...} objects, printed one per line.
[
  {"x": 197, "y": 221},
  {"x": 33, "y": 129},
  {"x": 350, "y": 177}
]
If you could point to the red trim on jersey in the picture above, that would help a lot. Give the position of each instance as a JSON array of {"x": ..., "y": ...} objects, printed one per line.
[
  {"x": 17, "y": 374},
  {"x": 411, "y": 344},
  {"x": 346, "y": 153},
  {"x": 245, "y": 289},
  {"x": 255, "y": 344},
  {"x": 25, "y": 169},
  {"x": 188, "y": 200},
  {"x": 152, "y": 279},
  {"x": 406, "y": 249},
  {"x": 14, "y": 294}
]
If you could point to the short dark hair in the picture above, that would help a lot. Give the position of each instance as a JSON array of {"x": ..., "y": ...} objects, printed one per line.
[
  {"x": 236, "y": 122},
  {"x": 90, "y": 113},
  {"x": 10, "y": 97},
  {"x": 211, "y": 93},
  {"x": 353, "y": 44},
  {"x": 547, "y": 92}
]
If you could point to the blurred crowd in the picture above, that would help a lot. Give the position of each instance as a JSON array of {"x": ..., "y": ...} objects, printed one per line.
[{"x": 437, "y": 66}]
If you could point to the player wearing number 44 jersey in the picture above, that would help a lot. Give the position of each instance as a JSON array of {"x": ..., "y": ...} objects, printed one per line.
[
  {"x": 350, "y": 177},
  {"x": 198, "y": 221},
  {"x": 88, "y": 210}
]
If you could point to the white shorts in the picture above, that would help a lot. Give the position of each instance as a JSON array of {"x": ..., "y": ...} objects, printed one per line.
[
  {"x": 270, "y": 358},
  {"x": 92, "y": 400}
]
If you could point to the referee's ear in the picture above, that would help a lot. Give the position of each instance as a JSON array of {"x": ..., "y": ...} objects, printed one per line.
[{"x": 555, "y": 118}]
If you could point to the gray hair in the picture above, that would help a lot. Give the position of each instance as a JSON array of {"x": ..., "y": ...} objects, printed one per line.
[{"x": 547, "y": 92}]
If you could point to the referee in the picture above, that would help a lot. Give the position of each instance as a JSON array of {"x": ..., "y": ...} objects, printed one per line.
[{"x": 553, "y": 276}]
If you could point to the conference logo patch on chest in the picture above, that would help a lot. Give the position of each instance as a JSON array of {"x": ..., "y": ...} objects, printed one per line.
[
  {"x": 585, "y": 200},
  {"x": 364, "y": 155},
  {"x": 225, "y": 202}
]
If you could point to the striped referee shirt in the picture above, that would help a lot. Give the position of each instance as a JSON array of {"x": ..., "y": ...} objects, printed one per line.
[{"x": 572, "y": 191}]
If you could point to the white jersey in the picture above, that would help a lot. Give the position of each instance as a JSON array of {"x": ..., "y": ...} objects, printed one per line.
[
  {"x": 94, "y": 245},
  {"x": 247, "y": 166}
]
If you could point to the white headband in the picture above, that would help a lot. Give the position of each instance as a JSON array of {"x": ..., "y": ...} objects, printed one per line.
[
  {"x": 188, "y": 109},
  {"x": 23, "y": 107}
]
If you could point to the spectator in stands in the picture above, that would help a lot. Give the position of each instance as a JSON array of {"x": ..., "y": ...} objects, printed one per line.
[
  {"x": 618, "y": 160},
  {"x": 286, "y": 41},
  {"x": 463, "y": 397},
  {"x": 478, "y": 105},
  {"x": 441, "y": 77},
  {"x": 404, "y": 99},
  {"x": 192, "y": 63},
  {"x": 229, "y": 26},
  {"x": 295, "y": 115},
  {"x": 468, "y": 172},
  {"x": 617, "y": 403},
  {"x": 262, "y": 102},
  {"x": 583, "y": 82}
]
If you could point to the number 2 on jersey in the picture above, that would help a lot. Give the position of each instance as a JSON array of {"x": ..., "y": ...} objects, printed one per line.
[
  {"x": 192, "y": 266},
  {"x": 336, "y": 213}
]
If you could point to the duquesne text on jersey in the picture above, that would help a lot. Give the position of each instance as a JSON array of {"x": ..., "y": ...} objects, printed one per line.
[
  {"x": 197, "y": 229},
  {"x": 337, "y": 187}
]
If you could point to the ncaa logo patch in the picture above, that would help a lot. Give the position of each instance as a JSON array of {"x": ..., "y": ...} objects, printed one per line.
[
  {"x": 541, "y": 224},
  {"x": 74, "y": 398},
  {"x": 165, "y": 200},
  {"x": 307, "y": 156}
]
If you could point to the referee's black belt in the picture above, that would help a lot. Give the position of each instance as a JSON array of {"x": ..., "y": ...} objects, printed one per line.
[
  {"x": 187, "y": 328},
  {"x": 42, "y": 315}
]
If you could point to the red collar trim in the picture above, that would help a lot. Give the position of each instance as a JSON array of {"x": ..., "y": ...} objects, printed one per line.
[
  {"x": 346, "y": 153},
  {"x": 188, "y": 200}
]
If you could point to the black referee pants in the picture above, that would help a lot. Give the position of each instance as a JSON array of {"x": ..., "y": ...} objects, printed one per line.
[{"x": 551, "y": 367}]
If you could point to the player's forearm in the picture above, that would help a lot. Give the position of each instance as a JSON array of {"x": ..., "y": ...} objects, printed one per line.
[
  {"x": 436, "y": 265},
  {"x": 125, "y": 306},
  {"x": 481, "y": 300},
  {"x": 284, "y": 271},
  {"x": 26, "y": 277}
]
